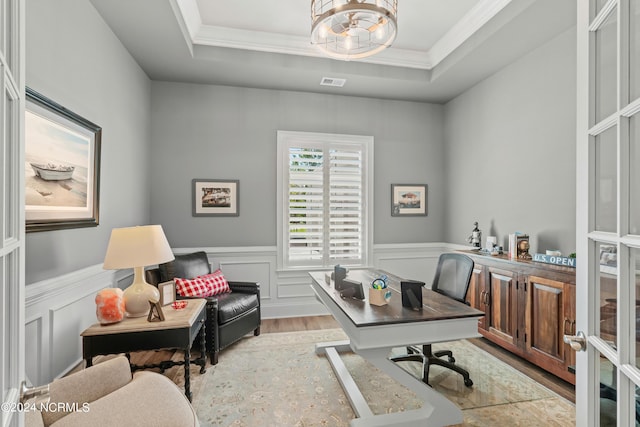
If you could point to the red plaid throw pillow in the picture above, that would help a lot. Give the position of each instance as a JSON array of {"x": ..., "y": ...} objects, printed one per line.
[{"x": 202, "y": 286}]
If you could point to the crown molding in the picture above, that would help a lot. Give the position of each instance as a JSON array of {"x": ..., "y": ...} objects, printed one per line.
[
  {"x": 188, "y": 16},
  {"x": 471, "y": 22}
]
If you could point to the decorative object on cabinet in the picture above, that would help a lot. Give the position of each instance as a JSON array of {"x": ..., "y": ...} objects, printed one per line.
[
  {"x": 476, "y": 236},
  {"x": 63, "y": 150},
  {"x": 216, "y": 197},
  {"x": 557, "y": 260},
  {"x": 409, "y": 199},
  {"x": 522, "y": 246},
  {"x": 138, "y": 247}
]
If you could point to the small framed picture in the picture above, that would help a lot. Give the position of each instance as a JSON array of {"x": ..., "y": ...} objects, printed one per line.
[
  {"x": 215, "y": 197},
  {"x": 167, "y": 292},
  {"x": 408, "y": 199}
]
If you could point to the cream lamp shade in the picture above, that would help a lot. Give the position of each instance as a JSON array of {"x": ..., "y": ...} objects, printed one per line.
[{"x": 138, "y": 247}]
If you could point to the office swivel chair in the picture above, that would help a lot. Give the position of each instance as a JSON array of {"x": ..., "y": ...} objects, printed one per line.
[{"x": 452, "y": 278}]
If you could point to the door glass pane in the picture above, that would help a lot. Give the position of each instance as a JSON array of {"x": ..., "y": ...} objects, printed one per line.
[
  {"x": 8, "y": 162},
  {"x": 634, "y": 174},
  {"x": 605, "y": 68},
  {"x": 635, "y": 278},
  {"x": 608, "y": 393},
  {"x": 599, "y": 5},
  {"x": 606, "y": 181},
  {"x": 634, "y": 49},
  {"x": 608, "y": 293}
]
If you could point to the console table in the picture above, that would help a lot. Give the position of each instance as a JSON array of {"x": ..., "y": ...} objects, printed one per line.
[
  {"x": 374, "y": 330},
  {"x": 178, "y": 331}
]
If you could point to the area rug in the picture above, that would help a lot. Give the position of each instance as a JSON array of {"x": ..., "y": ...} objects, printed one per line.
[{"x": 276, "y": 379}]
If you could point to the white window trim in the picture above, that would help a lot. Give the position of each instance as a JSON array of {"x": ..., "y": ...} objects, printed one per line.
[{"x": 287, "y": 138}]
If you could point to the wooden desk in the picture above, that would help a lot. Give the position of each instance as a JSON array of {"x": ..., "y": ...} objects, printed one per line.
[
  {"x": 374, "y": 330},
  {"x": 178, "y": 330}
]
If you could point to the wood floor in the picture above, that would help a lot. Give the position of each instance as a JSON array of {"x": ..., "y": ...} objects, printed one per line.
[{"x": 293, "y": 324}]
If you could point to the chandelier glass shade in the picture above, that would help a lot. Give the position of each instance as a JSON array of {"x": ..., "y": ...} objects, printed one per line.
[{"x": 353, "y": 29}]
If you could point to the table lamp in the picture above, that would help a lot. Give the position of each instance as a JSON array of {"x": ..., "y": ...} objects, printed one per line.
[{"x": 138, "y": 247}]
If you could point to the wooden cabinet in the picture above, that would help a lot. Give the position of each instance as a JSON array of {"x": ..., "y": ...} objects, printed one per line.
[{"x": 528, "y": 308}]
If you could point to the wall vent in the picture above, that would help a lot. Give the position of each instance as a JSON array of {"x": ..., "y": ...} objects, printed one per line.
[{"x": 330, "y": 81}]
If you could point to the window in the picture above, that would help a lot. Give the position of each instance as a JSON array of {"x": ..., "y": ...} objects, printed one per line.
[{"x": 325, "y": 198}]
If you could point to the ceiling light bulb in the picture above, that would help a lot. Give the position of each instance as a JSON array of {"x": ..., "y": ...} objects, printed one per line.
[
  {"x": 380, "y": 32},
  {"x": 348, "y": 43},
  {"x": 323, "y": 31}
]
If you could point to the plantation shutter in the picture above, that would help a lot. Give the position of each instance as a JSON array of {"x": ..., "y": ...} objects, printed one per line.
[
  {"x": 306, "y": 205},
  {"x": 324, "y": 195},
  {"x": 345, "y": 206}
]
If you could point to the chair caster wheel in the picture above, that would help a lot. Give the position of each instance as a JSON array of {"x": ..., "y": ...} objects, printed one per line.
[{"x": 468, "y": 382}]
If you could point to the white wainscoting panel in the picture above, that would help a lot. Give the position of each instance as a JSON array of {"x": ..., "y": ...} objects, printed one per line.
[
  {"x": 57, "y": 311},
  {"x": 33, "y": 356},
  {"x": 409, "y": 261},
  {"x": 60, "y": 308},
  {"x": 67, "y": 321}
]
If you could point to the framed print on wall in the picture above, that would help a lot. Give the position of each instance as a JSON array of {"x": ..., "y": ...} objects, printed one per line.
[
  {"x": 62, "y": 170},
  {"x": 215, "y": 197},
  {"x": 408, "y": 200}
]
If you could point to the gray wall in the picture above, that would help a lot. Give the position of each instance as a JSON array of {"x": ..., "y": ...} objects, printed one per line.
[
  {"x": 73, "y": 58},
  {"x": 502, "y": 153},
  {"x": 217, "y": 132},
  {"x": 510, "y": 150}
]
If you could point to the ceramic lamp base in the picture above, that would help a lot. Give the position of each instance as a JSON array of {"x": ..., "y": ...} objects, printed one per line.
[{"x": 138, "y": 295}]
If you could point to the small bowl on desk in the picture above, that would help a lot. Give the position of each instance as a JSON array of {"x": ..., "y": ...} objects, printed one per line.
[{"x": 179, "y": 305}]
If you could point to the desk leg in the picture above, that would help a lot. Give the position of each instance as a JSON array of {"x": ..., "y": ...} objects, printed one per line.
[
  {"x": 436, "y": 410},
  {"x": 187, "y": 373}
]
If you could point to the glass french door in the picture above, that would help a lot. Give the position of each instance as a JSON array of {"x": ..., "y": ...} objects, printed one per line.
[
  {"x": 11, "y": 208},
  {"x": 608, "y": 212}
]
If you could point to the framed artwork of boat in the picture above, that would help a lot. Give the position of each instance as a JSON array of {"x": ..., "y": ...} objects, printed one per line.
[
  {"x": 62, "y": 166},
  {"x": 215, "y": 197},
  {"x": 408, "y": 199}
]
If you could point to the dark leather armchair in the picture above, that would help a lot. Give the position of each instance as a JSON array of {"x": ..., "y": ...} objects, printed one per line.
[
  {"x": 230, "y": 316},
  {"x": 452, "y": 278}
]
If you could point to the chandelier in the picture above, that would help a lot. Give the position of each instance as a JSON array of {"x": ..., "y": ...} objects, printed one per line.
[{"x": 352, "y": 29}]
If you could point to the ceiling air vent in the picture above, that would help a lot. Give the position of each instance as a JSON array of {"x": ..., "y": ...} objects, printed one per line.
[{"x": 330, "y": 81}]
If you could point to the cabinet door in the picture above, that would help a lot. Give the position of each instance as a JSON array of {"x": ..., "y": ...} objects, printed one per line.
[
  {"x": 477, "y": 294},
  {"x": 545, "y": 319},
  {"x": 503, "y": 303}
]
